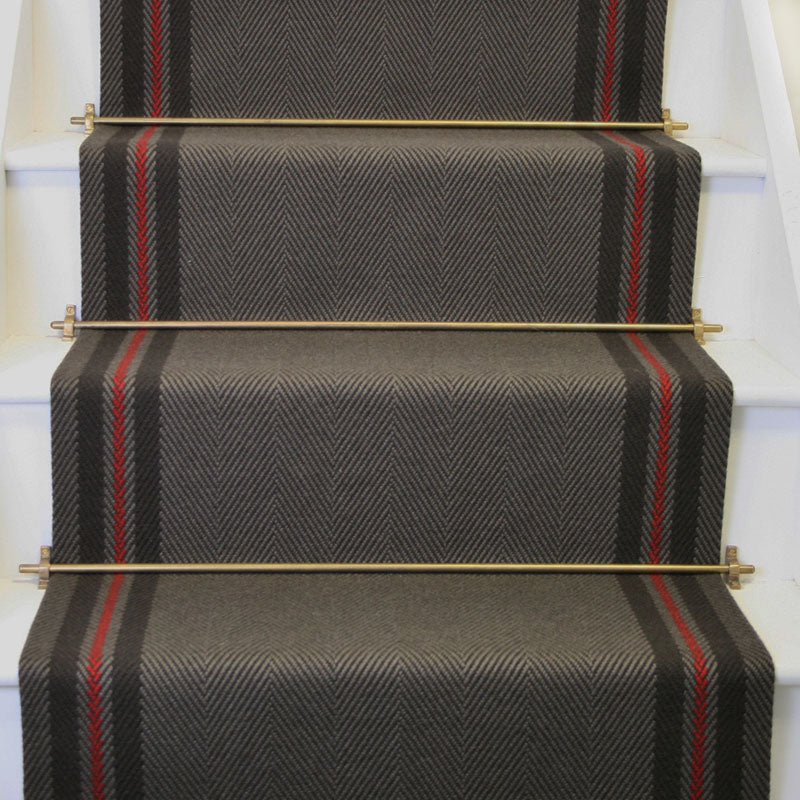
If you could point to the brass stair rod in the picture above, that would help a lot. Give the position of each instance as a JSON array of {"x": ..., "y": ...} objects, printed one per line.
[
  {"x": 732, "y": 568},
  {"x": 69, "y": 325},
  {"x": 90, "y": 119}
]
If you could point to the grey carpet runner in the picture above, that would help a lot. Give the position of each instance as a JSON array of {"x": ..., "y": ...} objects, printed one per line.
[
  {"x": 389, "y": 446},
  {"x": 371, "y": 224}
]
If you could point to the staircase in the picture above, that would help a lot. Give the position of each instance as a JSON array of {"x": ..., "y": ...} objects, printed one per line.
[{"x": 744, "y": 279}]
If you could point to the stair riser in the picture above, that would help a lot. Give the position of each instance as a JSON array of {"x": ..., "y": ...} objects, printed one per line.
[
  {"x": 371, "y": 224},
  {"x": 25, "y": 485},
  {"x": 48, "y": 274},
  {"x": 399, "y": 59},
  {"x": 761, "y": 508}
]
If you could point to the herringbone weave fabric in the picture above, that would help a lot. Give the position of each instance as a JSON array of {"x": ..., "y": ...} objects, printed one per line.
[
  {"x": 388, "y": 446},
  {"x": 372, "y": 224},
  {"x": 413, "y": 59},
  {"x": 395, "y": 686}
]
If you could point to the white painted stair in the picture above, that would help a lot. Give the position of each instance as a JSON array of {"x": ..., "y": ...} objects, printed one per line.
[{"x": 723, "y": 76}]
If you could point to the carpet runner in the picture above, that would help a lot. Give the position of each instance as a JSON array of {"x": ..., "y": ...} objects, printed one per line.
[{"x": 389, "y": 446}]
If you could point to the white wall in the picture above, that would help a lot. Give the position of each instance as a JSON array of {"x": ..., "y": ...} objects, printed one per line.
[{"x": 786, "y": 17}]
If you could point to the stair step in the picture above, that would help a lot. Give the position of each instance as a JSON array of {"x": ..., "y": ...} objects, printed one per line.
[
  {"x": 323, "y": 223},
  {"x": 325, "y": 685},
  {"x": 395, "y": 59},
  {"x": 398, "y": 446},
  {"x": 758, "y": 379},
  {"x": 27, "y": 364},
  {"x": 772, "y": 607},
  {"x": 57, "y": 151},
  {"x": 761, "y": 481}
]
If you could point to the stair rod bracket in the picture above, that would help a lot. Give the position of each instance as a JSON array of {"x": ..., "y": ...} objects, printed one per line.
[
  {"x": 69, "y": 325},
  {"x": 68, "y": 328},
  {"x": 734, "y": 567},
  {"x": 731, "y": 569},
  {"x": 43, "y": 567},
  {"x": 91, "y": 119}
]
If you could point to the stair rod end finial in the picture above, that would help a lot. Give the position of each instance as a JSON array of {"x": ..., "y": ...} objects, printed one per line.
[
  {"x": 670, "y": 126},
  {"x": 702, "y": 328}
]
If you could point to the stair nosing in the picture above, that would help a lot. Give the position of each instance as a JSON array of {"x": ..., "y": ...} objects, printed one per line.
[
  {"x": 774, "y": 628},
  {"x": 57, "y": 151}
]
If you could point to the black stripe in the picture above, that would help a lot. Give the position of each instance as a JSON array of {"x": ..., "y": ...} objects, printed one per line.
[
  {"x": 662, "y": 230},
  {"x": 65, "y": 686},
  {"x": 147, "y": 459},
  {"x": 589, "y": 35},
  {"x": 168, "y": 275},
  {"x": 133, "y": 67},
  {"x": 731, "y": 687},
  {"x": 116, "y": 215},
  {"x": 89, "y": 399},
  {"x": 683, "y": 217},
  {"x": 179, "y": 74},
  {"x": 690, "y": 448},
  {"x": 632, "y": 51},
  {"x": 669, "y": 688},
  {"x": 636, "y": 435},
  {"x": 612, "y": 267},
  {"x": 654, "y": 29},
  {"x": 126, "y": 689}
]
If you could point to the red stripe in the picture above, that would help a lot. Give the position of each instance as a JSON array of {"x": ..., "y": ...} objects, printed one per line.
[
  {"x": 118, "y": 439},
  {"x": 637, "y": 227},
  {"x": 156, "y": 57},
  {"x": 142, "y": 226},
  {"x": 612, "y": 18},
  {"x": 700, "y": 705},
  {"x": 94, "y": 669},
  {"x": 662, "y": 450}
]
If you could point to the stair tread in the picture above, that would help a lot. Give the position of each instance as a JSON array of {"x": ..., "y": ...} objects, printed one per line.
[
  {"x": 772, "y": 608},
  {"x": 27, "y": 364},
  {"x": 758, "y": 378},
  {"x": 53, "y": 151}
]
